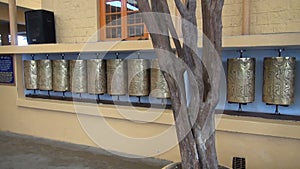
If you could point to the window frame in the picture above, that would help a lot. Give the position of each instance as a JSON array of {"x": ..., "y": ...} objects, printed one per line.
[{"x": 124, "y": 27}]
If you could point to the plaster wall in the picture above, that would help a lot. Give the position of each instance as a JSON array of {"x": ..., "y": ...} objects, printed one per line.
[
  {"x": 259, "y": 151},
  {"x": 77, "y": 21},
  {"x": 4, "y": 14},
  {"x": 30, "y": 4},
  {"x": 269, "y": 16},
  {"x": 236, "y": 136}
]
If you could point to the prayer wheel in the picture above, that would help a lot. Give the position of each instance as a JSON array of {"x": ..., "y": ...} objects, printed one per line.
[
  {"x": 138, "y": 77},
  {"x": 60, "y": 75},
  {"x": 30, "y": 74},
  {"x": 96, "y": 70},
  {"x": 116, "y": 76},
  {"x": 44, "y": 74},
  {"x": 78, "y": 76},
  {"x": 241, "y": 80},
  {"x": 279, "y": 80},
  {"x": 159, "y": 86}
]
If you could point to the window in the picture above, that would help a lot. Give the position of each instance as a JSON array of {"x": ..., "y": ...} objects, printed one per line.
[
  {"x": 120, "y": 19},
  {"x": 22, "y": 39}
]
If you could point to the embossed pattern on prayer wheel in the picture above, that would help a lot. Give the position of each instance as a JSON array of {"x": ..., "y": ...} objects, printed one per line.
[
  {"x": 138, "y": 77},
  {"x": 44, "y": 74},
  {"x": 241, "y": 80},
  {"x": 30, "y": 74},
  {"x": 60, "y": 75},
  {"x": 96, "y": 78},
  {"x": 159, "y": 86},
  {"x": 279, "y": 80},
  {"x": 78, "y": 76},
  {"x": 116, "y": 76}
]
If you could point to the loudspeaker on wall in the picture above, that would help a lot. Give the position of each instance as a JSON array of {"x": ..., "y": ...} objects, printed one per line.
[{"x": 40, "y": 26}]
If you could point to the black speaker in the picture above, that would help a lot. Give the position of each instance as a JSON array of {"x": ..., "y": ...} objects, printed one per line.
[{"x": 40, "y": 27}]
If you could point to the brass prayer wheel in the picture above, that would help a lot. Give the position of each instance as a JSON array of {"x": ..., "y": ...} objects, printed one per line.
[
  {"x": 116, "y": 76},
  {"x": 159, "y": 86},
  {"x": 44, "y": 74},
  {"x": 96, "y": 76},
  {"x": 30, "y": 74},
  {"x": 138, "y": 77},
  {"x": 78, "y": 76},
  {"x": 279, "y": 80},
  {"x": 60, "y": 75},
  {"x": 241, "y": 80}
]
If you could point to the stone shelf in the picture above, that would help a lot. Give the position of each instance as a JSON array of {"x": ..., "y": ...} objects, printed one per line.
[{"x": 229, "y": 42}]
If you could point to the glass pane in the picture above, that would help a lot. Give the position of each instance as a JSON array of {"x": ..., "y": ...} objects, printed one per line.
[
  {"x": 108, "y": 33},
  {"x": 134, "y": 18},
  {"x": 113, "y": 6},
  {"x": 108, "y": 19},
  {"x": 130, "y": 19},
  {"x": 113, "y": 19},
  {"x": 113, "y": 32},
  {"x": 135, "y": 31},
  {"x": 119, "y": 33},
  {"x": 132, "y": 5}
]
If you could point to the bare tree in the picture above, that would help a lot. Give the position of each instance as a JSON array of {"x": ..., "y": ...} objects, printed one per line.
[{"x": 194, "y": 120}]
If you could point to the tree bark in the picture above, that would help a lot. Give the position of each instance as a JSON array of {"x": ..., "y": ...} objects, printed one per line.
[{"x": 195, "y": 121}]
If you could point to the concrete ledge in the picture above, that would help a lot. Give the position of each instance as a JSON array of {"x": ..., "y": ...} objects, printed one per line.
[
  {"x": 243, "y": 41},
  {"x": 237, "y": 124},
  {"x": 259, "y": 126},
  {"x": 139, "y": 114}
]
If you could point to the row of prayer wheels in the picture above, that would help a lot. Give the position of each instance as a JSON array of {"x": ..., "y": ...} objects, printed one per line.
[
  {"x": 278, "y": 83},
  {"x": 97, "y": 76},
  {"x": 121, "y": 77}
]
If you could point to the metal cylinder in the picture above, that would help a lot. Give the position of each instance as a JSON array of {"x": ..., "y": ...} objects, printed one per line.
[
  {"x": 60, "y": 75},
  {"x": 30, "y": 74},
  {"x": 44, "y": 74},
  {"x": 279, "y": 80},
  {"x": 96, "y": 70},
  {"x": 241, "y": 80},
  {"x": 138, "y": 77},
  {"x": 78, "y": 76},
  {"x": 159, "y": 86},
  {"x": 116, "y": 76}
]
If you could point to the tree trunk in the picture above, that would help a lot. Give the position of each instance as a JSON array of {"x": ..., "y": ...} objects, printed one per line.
[{"x": 194, "y": 121}]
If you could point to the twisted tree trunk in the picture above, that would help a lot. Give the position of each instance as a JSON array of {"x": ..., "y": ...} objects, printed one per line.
[{"x": 194, "y": 115}]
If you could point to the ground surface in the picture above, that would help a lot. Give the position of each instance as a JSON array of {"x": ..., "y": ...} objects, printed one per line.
[{"x": 23, "y": 152}]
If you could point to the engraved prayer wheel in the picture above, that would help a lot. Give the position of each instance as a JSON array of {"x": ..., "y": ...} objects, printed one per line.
[
  {"x": 159, "y": 86},
  {"x": 96, "y": 70},
  {"x": 116, "y": 76},
  {"x": 44, "y": 74},
  {"x": 138, "y": 77},
  {"x": 78, "y": 76},
  {"x": 279, "y": 80},
  {"x": 30, "y": 74},
  {"x": 60, "y": 75},
  {"x": 241, "y": 80}
]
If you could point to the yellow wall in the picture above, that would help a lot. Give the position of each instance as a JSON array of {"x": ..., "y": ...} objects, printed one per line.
[
  {"x": 77, "y": 20},
  {"x": 259, "y": 151},
  {"x": 4, "y": 14},
  {"x": 30, "y": 4},
  {"x": 272, "y": 16},
  {"x": 264, "y": 143}
]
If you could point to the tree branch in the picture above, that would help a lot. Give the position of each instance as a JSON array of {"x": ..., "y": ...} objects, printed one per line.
[
  {"x": 181, "y": 8},
  {"x": 171, "y": 27},
  {"x": 149, "y": 20},
  {"x": 192, "y": 5}
]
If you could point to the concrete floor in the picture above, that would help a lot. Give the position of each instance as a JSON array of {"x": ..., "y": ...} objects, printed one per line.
[{"x": 25, "y": 152}]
